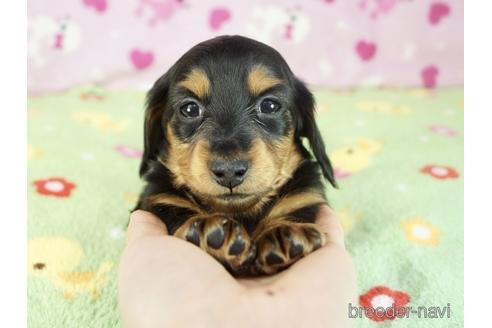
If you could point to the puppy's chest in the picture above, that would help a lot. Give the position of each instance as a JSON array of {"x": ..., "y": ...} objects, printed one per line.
[
  {"x": 249, "y": 221},
  {"x": 249, "y": 218}
]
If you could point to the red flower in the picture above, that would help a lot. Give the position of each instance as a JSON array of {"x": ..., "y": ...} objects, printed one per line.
[
  {"x": 57, "y": 187},
  {"x": 381, "y": 303},
  {"x": 440, "y": 172}
]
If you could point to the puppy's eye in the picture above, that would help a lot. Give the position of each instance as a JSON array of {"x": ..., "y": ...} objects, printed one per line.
[
  {"x": 269, "y": 106},
  {"x": 190, "y": 110}
]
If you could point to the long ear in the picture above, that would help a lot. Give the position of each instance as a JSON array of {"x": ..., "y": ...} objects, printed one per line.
[
  {"x": 153, "y": 126},
  {"x": 306, "y": 127}
]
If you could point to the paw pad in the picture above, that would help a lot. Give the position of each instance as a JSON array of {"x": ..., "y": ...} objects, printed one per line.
[
  {"x": 282, "y": 246},
  {"x": 215, "y": 238},
  {"x": 295, "y": 249},
  {"x": 224, "y": 239},
  {"x": 273, "y": 258},
  {"x": 193, "y": 233},
  {"x": 237, "y": 246}
]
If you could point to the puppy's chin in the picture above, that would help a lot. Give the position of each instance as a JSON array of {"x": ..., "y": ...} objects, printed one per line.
[{"x": 234, "y": 202}]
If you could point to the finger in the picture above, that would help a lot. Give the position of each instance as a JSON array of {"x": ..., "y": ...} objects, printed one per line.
[
  {"x": 329, "y": 224},
  {"x": 144, "y": 224},
  {"x": 326, "y": 274}
]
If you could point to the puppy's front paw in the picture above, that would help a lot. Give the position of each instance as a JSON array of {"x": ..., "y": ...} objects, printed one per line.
[
  {"x": 281, "y": 246},
  {"x": 223, "y": 238}
]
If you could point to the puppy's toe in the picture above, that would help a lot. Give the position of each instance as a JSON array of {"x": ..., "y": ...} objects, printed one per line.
[
  {"x": 194, "y": 231},
  {"x": 223, "y": 238},
  {"x": 282, "y": 246},
  {"x": 214, "y": 232}
]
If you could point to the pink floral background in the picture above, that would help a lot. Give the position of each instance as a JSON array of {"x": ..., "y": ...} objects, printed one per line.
[{"x": 335, "y": 43}]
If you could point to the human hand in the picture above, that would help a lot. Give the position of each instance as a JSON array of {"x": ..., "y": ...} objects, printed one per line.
[{"x": 168, "y": 282}]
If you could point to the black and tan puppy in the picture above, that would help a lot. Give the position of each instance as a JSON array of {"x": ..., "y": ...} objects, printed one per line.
[{"x": 224, "y": 161}]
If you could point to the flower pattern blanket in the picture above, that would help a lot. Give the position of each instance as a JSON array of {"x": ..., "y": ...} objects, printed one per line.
[{"x": 398, "y": 156}]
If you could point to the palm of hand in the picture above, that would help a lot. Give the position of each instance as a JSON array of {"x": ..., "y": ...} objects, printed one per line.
[{"x": 165, "y": 281}]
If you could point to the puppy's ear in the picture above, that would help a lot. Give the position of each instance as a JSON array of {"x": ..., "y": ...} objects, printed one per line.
[
  {"x": 154, "y": 140},
  {"x": 306, "y": 127}
]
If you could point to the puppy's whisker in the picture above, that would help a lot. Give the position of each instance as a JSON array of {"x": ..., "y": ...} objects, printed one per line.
[
  {"x": 251, "y": 109},
  {"x": 259, "y": 122}
]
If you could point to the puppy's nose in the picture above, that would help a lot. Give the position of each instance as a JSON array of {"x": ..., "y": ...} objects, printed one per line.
[{"x": 229, "y": 173}]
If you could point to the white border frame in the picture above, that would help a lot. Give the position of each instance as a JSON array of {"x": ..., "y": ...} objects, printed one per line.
[
  {"x": 478, "y": 126},
  {"x": 13, "y": 234},
  {"x": 478, "y": 162}
]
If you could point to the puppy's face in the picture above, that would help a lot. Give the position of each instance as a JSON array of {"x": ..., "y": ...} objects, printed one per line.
[
  {"x": 226, "y": 120},
  {"x": 231, "y": 133}
]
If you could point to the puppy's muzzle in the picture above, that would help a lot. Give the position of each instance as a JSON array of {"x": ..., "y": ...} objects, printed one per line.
[{"x": 229, "y": 173}]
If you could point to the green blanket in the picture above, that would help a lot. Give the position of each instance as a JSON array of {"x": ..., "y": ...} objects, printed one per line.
[{"x": 398, "y": 156}]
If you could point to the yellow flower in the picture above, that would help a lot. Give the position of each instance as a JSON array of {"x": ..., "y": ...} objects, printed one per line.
[
  {"x": 100, "y": 120},
  {"x": 355, "y": 156},
  {"x": 324, "y": 108},
  {"x": 420, "y": 232},
  {"x": 130, "y": 197},
  {"x": 33, "y": 112},
  {"x": 33, "y": 153},
  {"x": 383, "y": 107},
  {"x": 421, "y": 93},
  {"x": 348, "y": 218}
]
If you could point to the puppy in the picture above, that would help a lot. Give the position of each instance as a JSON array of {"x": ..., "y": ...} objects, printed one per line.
[{"x": 224, "y": 161}]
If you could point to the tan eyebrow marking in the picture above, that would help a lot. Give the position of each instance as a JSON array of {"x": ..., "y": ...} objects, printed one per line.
[
  {"x": 197, "y": 82},
  {"x": 260, "y": 79}
]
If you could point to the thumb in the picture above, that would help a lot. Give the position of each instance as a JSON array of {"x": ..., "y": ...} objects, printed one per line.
[
  {"x": 328, "y": 223},
  {"x": 144, "y": 224}
]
